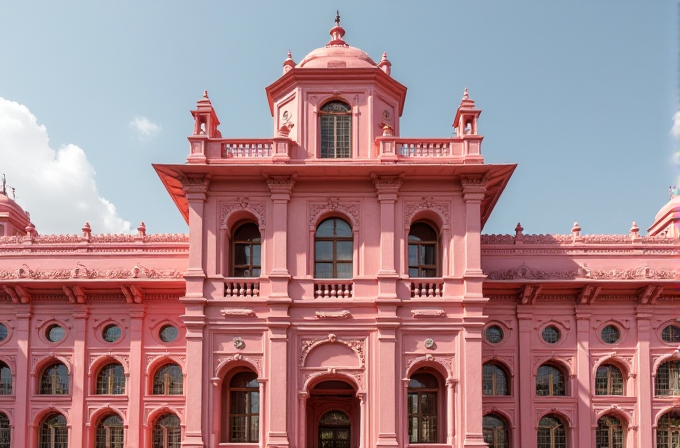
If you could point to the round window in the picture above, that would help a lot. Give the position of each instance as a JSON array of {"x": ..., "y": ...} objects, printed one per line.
[
  {"x": 54, "y": 333},
  {"x": 610, "y": 334},
  {"x": 168, "y": 333},
  {"x": 550, "y": 334},
  {"x": 671, "y": 334},
  {"x": 494, "y": 334},
  {"x": 111, "y": 333},
  {"x": 3, "y": 332}
]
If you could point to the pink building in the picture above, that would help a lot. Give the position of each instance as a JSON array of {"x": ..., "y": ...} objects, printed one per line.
[{"x": 335, "y": 291}]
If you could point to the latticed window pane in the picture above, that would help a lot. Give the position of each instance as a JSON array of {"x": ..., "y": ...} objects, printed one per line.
[
  {"x": 609, "y": 432},
  {"x": 551, "y": 433},
  {"x": 53, "y": 432},
  {"x": 5, "y": 432},
  {"x": 550, "y": 334},
  {"x": 422, "y": 249},
  {"x": 671, "y": 334},
  {"x": 54, "y": 380},
  {"x": 3, "y": 332},
  {"x": 336, "y": 130},
  {"x": 167, "y": 432},
  {"x": 494, "y": 334},
  {"x": 608, "y": 380},
  {"x": 495, "y": 431},
  {"x": 109, "y": 432},
  {"x": 550, "y": 381},
  {"x": 246, "y": 251},
  {"x": 168, "y": 380},
  {"x": 423, "y": 408},
  {"x": 610, "y": 334},
  {"x": 244, "y": 408},
  {"x": 333, "y": 249},
  {"x": 668, "y": 379},
  {"x": 5, "y": 380},
  {"x": 668, "y": 430},
  {"x": 111, "y": 380},
  {"x": 494, "y": 380}
]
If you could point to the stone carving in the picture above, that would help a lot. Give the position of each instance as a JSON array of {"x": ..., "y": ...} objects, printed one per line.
[
  {"x": 81, "y": 271},
  {"x": 357, "y": 346},
  {"x": 351, "y": 209},
  {"x": 525, "y": 272},
  {"x": 254, "y": 207},
  {"x": 239, "y": 343},
  {"x": 238, "y": 312},
  {"x": 443, "y": 361},
  {"x": 344, "y": 314},
  {"x": 428, "y": 313},
  {"x": 429, "y": 343},
  {"x": 223, "y": 360},
  {"x": 426, "y": 203},
  {"x": 642, "y": 272},
  {"x": 569, "y": 239}
]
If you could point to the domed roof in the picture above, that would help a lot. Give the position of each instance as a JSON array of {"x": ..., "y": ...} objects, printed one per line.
[{"x": 337, "y": 54}]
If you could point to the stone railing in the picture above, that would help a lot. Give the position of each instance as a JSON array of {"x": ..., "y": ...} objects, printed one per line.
[
  {"x": 241, "y": 287},
  {"x": 256, "y": 148},
  {"x": 427, "y": 288},
  {"x": 333, "y": 289},
  {"x": 423, "y": 149},
  {"x": 573, "y": 238},
  {"x": 460, "y": 149}
]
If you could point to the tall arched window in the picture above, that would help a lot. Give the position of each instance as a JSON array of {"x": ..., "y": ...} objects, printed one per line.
[
  {"x": 53, "y": 432},
  {"x": 168, "y": 380},
  {"x": 608, "y": 380},
  {"x": 551, "y": 433},
  {"x": 242, "y": 423},
  {"x": 423, "y": 258},
  {"x": 54, "y": 380},
  {"x": 423, "y": 408},
  {"x": 5, "y": 431},
  {"x": 111, "y": 379},
  {"x": 550, "y": 381},
  {"x": 5, "y": 380},
  {"x": 494, "y": 380},
  {"x": 109, "y": 432},
  {"x": 333, "y": 249},
  {"x": 246, "y": 260},
  {"x": 495, "y": 431},
  {"x": 335, "y": 120},
  {"x": 668, "y": 379},
  {"x": 167, "y": 432},
  {"x": 609, "y": 432},
  {"x": 668, "y": 430}
]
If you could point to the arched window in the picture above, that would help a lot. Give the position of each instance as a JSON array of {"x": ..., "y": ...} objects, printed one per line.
[
  {"x": 54, "y": 380},
  {"x": 494, "y": 380},
  {"x": 168, "y": 380},
  {"x": 608, "y": 380},
  {"x": 53, "y": 432},
  {"x": 551, "y": 433},
  {"x": 333, "y": 249},
  {"x": 243, "y": 419},
  {"x": 609, "y": 432},
  {"x": 109, "y": 432},
  {"x": 550, "y": 381},
  {"x": 111, "y": 379},
  {"x": 335, "y": 118},
  {"x": 246, "y": 251},
  {"x": 167, "y": 432},
  {"x": 668, "y": 430},
  {"x": 423, "y": 408},
  {"x": 495, "y": 431},
  {"x": 5, "y": 380},
  {"x": 668, "y": 378},
  {"x": 423, "y": 259},
  {"x": 5, "y": 432}
]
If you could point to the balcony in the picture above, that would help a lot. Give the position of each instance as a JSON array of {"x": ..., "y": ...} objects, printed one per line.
[
  {"x": 241, "y": 287},
  {"x": 333, "y": 289},
  {"x": 427, "y": 288},
  {"x": 466, "y": 149}
]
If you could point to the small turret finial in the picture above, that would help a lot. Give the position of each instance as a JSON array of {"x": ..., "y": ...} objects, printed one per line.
[
  {"x": 4, "y": 185},
  {"x": 465, "y": 94},
  {"x": 290, "y": 56},
  {"x": 337, "y": 17},
  {"x": 205, "y": 94}
]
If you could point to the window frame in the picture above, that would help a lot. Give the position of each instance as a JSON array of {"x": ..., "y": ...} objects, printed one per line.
[
  {"x": 609, "y": 431},
  {"x": 49, "y": 431},
  {"x": 108, "y": 434},
  {"x": 498, "y": 368},
  {"x": 421, "y": 244},
  {"x": 495, "y": 443},
  {"x": 5, "y": 430},
  {"x": 113, "y": 381},
  {"x": 229, "y": 423},
  {"x": 552, "y": 388},
  {"x": 250, "y": 245},
  {"x": 610, "y": 386},
  {"x": 334, "y": 240},
  {"x": 552, "y": 432},
  {"x": 334, "y": 119},
  {"x": 162, "y": 432},
  {"x": 166, "y": 383},
  {"x": 419, "y": 416},
  {"x": 673, "y": 379},
  {"x": 54, "y": 386},
  {"x": 664, "y": 428},
  {"x": 6, "y": 382}
]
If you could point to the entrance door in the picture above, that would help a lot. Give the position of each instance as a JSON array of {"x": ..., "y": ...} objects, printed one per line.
[{"x": 334, "y": 430}]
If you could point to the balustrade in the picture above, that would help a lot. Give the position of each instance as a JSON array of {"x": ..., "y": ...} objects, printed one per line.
[
  {"x": 332, "y": 289},
  {"x": 427, "y": 289},
  {"x": 241, "y": 288},
  {"x": 251, "y": 149},
  {"x": 423, "y": 149}
]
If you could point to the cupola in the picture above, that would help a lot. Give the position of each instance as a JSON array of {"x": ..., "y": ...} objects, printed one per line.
[{"x": 13, "y": 219}]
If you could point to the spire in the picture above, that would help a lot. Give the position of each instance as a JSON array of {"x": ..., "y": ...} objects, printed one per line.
[
  {"x": 288, "y": 64},
  {"x": 384, "y": 64},
  {"x": 337, "y": 33}
]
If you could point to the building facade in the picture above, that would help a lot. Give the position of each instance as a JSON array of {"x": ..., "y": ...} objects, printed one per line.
[{"x": 335, "y": 291}]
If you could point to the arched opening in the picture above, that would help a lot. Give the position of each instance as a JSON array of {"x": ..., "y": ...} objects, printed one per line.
[
  {"x": 333, "y": 249},
  {"x": 333, "y": 415},
  {"x": 167, "y": 432},
  {"x": 111, "y": 380},
  {"x": 425, "y": 407},
  {"x": 53, "y": 432},
  {"x": 54, "y": 380},
  {"x": 668, "y": 379},
  {"x": 551, "y": 432},
  {"x": 668, "y": 430},
  {"x": 550, "y": 381},
  {"x": 5, "y": 431},
  {"x": 608, "y": 380},
  {"x": 168, "y": 380},
  {"x": 610, "y": 432},
  {"x": 494, "y": 380},
  {"x": 496, "y": 432},
  {"x": 241, "y": 408},
  {"x": 335, "y": 123},
  {"x": 5, "y": 380},
  {"x": 109, "y": 432},
  {"x": 423, "y": 251},
  {"x": 246, "y": 251}
]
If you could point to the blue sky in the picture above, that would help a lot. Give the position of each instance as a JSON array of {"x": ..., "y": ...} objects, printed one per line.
[{"x": 580, "y": 94}]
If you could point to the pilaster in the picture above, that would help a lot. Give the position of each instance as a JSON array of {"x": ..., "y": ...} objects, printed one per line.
[
  {"x": 279, "y": 276},
  {"x": 387, "y": 189},
  {"x": 21, "y": 378},
  {"x": 387, "y": 378},
  {"x": 644, "y": 377},
  {"x": 582, "y": 392},
  {"x": 277, "y": 412},
  {"x": 196, "y": 189},
  {"x": 78, "y": 375},
  {"x": 472, "y": 386},
  {"x": 194, "y": 321},
  {"x": 135, "y": 386},
  {"x": 527, "y": 433}
]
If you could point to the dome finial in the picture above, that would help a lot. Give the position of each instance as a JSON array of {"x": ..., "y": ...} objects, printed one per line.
[
  {"x": 337, "y": 33},
  {"x": 337, "y": 17}
]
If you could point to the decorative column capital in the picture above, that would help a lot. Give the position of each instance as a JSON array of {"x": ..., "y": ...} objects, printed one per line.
[
  {"x": 387, "y": 186},
  {"x": 195, "y": 186},
  {"x": 281, "y": 187}
]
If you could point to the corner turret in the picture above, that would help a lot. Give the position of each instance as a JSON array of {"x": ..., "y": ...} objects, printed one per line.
[{"x": 13, "y": 219}]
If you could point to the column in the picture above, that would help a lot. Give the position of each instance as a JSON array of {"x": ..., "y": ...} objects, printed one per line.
[
  {"x": 450, "y": 415},
  {"x": 22, "y": 376},
  {"x": 582, "y": 386},
  {"x": 362, "y": 419},
  {"x": 644, "y": 376},
  {"x": 525, "y": 381},
  {"x": 277, "y": 398},
  {"x": 387, "y": 380},
  {"x": 302, "y": 420},
  {"x": 387, "y": 188},
  {"x": 472, "y": 387},
  {"x": 78, "y": 377},
  {"x": 135, "y": 379},
  {"x": 279, "y": 276}
]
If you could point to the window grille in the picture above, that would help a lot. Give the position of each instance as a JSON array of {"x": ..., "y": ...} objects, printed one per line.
[
  {"x": 5, "y": 379},
  {"x": 671, "y": 334},
  {"x": 244, "y": 408},
  {"x": 335, "y": 118},
  {"x": 550, "y": 334},
  {"x": 495, "y": 431},
  {"x": 550, "y": 381},
  {"x": 53, "y": 432},
  {"x": 551, "y": 433},
  {"x": 167, "y": 432},
  {"x": 333, "y": 249},
  {"x": 55, "y": 380},
  {"x": 109, "y": 432},
  {"x": 494, "y": 380},
  {"x": 5, "y": 431},
  {"x": 423, "y": 410},
  {"x": 168, "y": 380},
  {"x": 668, "y": 379},
  {"x": 423, "y": 259},
  {"x": 609, "y": 432},
  {"x": 494, "y": 334},
  {"x": 668, "y": 430},
  {"x": 608, "y": 380},
  {"x": 246, "y": 251},
  {"x": 610, "y": 334},
  {"x": 111, "y": 380}
]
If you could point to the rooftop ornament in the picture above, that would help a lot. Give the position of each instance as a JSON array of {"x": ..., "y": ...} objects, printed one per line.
[{"x": 337, "y": 33}]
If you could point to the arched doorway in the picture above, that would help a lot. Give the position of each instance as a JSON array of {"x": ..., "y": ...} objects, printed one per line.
[{"x": 333, "y": 415}]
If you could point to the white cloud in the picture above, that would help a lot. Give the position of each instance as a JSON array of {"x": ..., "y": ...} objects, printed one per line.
[
  {"x": 144, "y": 128},
  {"x": 56, "y": 186},
  {"x": 675, "y": 130}
]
